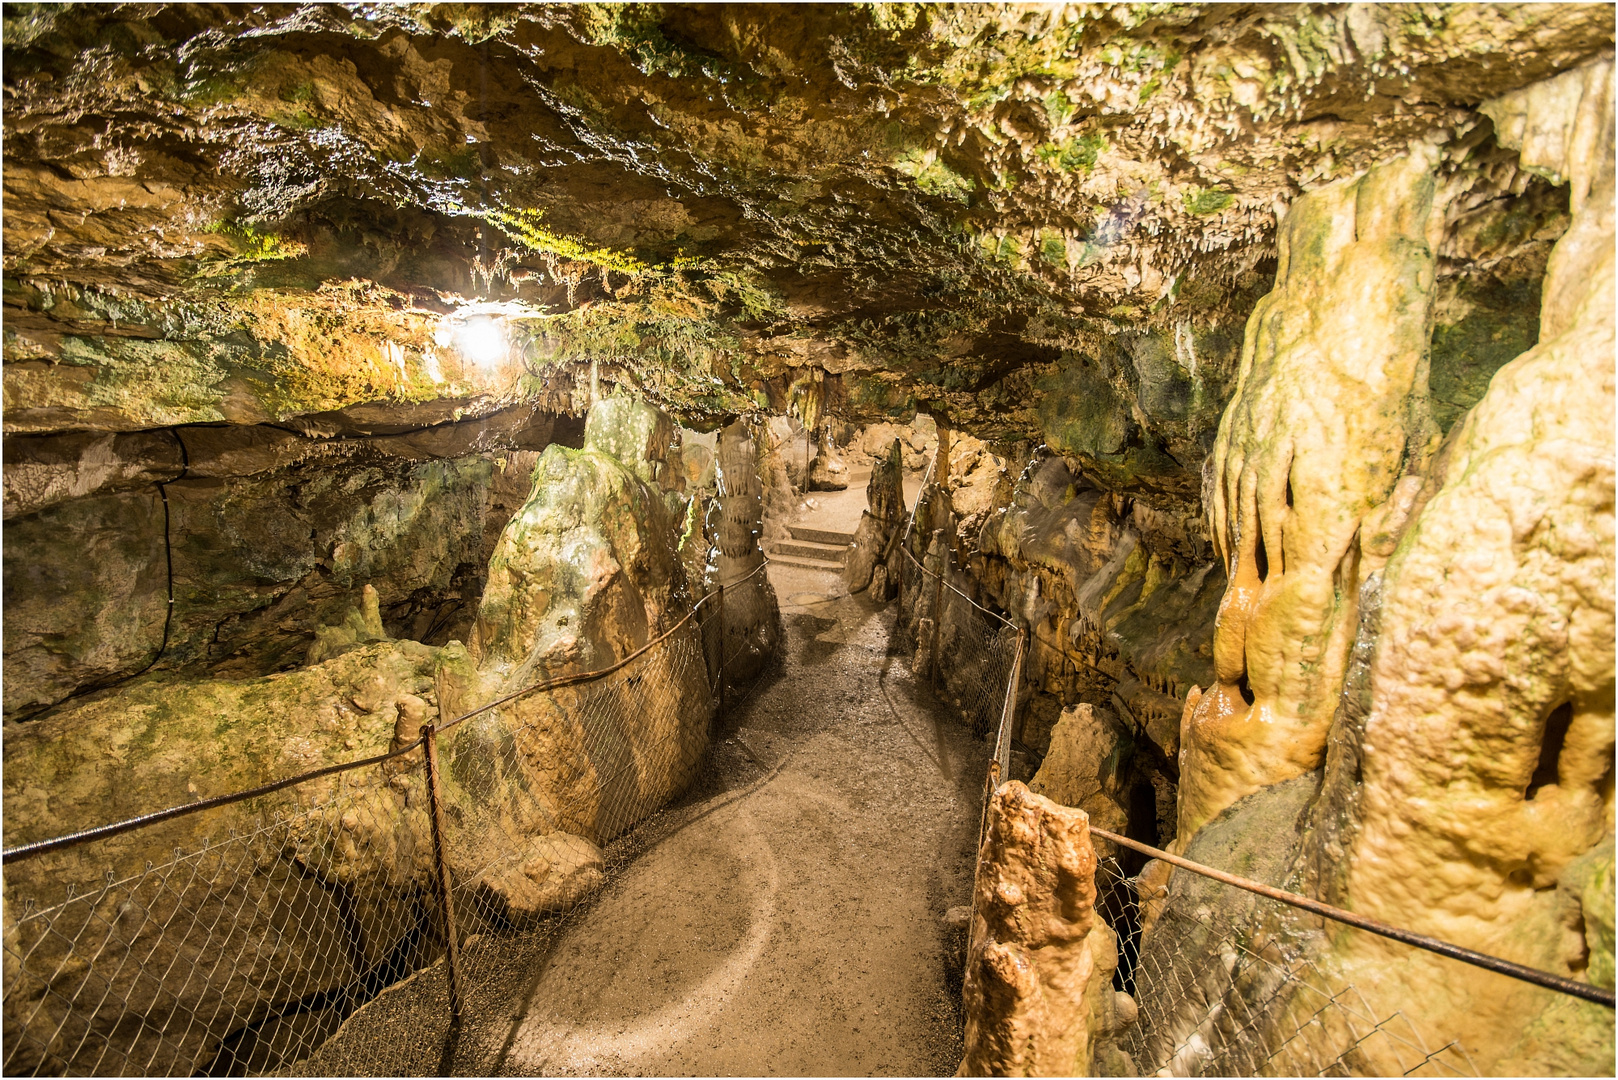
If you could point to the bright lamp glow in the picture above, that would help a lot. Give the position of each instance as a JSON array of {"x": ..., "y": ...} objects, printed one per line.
[{"x": 482, "y": 340}]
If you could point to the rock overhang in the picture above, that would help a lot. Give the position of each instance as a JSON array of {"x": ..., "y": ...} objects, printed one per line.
[{"x": 944, "y": 208}]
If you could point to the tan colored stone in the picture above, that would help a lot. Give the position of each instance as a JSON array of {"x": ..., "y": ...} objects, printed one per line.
[
  {"x": 1038, "y": 985},
  {"x": 1081, "y": 769},
  {"x": 1330, "y": 406},
  {"x": 1488, "y": 750},
  {"x": 553, "y": 873}
]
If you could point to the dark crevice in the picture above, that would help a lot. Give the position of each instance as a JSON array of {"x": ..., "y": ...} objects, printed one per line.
[
  {"x": 1245, "y": 690},
  {"x": 1261, "y": 559},
  {"x": 1550, "y": 748}
]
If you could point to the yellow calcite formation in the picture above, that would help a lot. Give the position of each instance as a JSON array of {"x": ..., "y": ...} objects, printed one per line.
[
  {"x": 1329, "y": 412},
  {"x": 1038, "y": 986},
  {"x": 1488, "y": 749}
]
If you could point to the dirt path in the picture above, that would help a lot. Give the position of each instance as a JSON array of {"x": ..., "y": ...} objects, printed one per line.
[{"x": 789, "y": 918}]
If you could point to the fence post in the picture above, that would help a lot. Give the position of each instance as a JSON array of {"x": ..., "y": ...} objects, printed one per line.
[
  {"x": 1008, "y": 714},
  {"x": 938, "y": 601},
  {"x": 721, "y": 644},
  {"x": 435, "y": 801}
]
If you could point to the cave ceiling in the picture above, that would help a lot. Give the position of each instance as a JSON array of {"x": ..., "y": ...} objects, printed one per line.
[{"x": 271, "y": 213}]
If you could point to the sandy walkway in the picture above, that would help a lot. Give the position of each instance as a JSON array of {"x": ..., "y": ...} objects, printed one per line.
[{"x": 787, "y": 920}]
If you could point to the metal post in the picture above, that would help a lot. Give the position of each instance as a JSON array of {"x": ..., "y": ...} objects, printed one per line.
[
  {"x": 721, "y": 645},
  {"x": 938, "y": 599},
  {"x": 435, "y": 800},
  {"x": 1008, "y": 714}
]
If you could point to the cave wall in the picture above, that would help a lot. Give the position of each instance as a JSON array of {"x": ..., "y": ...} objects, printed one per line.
[
  {"x": 1399, "y": 694},
  {"x": 265, "y": 533},
  {"x": 330, "y": 880},
  {"x": 1187, "y": 283}
]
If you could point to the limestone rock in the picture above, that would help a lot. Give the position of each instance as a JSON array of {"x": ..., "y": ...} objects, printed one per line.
[
  {"x": 884, "y": 497},
  {"x": 1330, "y": 410},
  {"x": 360, "y": 626},
  {"x": 752, "y": 617},
  {"x": 1084, "y": 768},
  {"x": 828, "y": 472},
  {"x": 641, "y": 438},
  {"x": 864, "y": 551},
  {"x": 884, "y": 492},
  {"x": 587, "y": 573},
  {"x": 1038, "y": 986},
  {"x": 260, "y": 562},
  {"x": 321, "y": 897},
  {"x": 553, "y": 873},
  {"x": 1488, "y": 746}
]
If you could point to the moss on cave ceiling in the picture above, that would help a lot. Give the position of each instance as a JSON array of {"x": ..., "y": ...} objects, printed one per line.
[{"x": 248, "y": 213}]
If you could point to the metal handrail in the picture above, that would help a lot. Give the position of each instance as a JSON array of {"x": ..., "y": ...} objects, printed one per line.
[{"x": 101, "y": 832}]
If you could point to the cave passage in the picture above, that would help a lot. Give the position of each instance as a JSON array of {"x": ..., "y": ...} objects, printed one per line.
[
  {"x": 793, "y": 924},
  {"x": 788, "y": 916}
]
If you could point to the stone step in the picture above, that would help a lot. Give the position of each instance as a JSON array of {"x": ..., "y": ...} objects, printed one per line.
[
  {"x": 820, "y": 536},
  {"x": 805, "y": 550},
  {"x": 808, "y": 564}
]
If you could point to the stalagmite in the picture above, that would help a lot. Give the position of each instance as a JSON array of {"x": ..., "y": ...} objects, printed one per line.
[
  {"x": 885, "y": 503},
  {"x": 752, "y": 620},
  {"x": 1039, "y": 967}
]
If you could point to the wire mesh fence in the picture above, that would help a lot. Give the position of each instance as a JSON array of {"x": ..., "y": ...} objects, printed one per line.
[
  {"x": 967, "y": 649},
  {"x": 305, "y": 929},
  {"x": 1231, "y": 987},
  {"x": 1236, "y": 988}
]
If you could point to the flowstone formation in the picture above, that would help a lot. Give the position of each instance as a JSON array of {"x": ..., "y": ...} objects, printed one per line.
[
  {"x": 1486, "y": 808},
  {"x": 1467, "y": 782},
  {"x": 1328, "y": 422}
]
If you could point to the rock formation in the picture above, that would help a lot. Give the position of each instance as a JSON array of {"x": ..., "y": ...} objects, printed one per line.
[
  {"x": 828, "y": 471},
  {"x": 1467, "y": 790},
  {"x": 751, "y": 621},
  {"x": 1268, "y": 349},
  {"x": 1040, "y": 961},
  {"x": 1084, "y": 768},
  {"x": 334, "y": 890},
  {"x": 586, "y": 573},
  {"x": 1328, "y": 416},
  {"x": 1485, "y": 809},
  {"x": 883, "y": 516}
]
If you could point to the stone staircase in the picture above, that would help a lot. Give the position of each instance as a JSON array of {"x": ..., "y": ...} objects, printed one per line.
[{"x": 813, "y": 549}]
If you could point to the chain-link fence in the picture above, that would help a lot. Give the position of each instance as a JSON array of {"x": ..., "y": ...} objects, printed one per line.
[
  {"x": 966, "y": 649},
  {"x": 1235, "y": 988},
  {"x": 305, "y": 927},
  {"x": 1228, "y": 977}
]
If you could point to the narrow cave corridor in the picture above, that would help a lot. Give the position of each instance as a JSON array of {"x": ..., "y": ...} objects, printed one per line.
[
  {"x": 771, "y": 921},
  {"x": 859, "y": 539}
]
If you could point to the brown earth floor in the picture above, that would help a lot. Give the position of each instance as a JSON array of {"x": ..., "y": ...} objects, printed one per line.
[{"x": 788, "y": 920}]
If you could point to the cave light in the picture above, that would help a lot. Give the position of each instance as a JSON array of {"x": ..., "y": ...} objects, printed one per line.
[
  {"x": 482, "y": 339},
  {"x": 479, "y": 333}
]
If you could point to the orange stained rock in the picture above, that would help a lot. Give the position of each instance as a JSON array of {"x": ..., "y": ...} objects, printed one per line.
[
  {"x": 1330, "y": 408},
  {"x": 1038, "y": 985}
]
